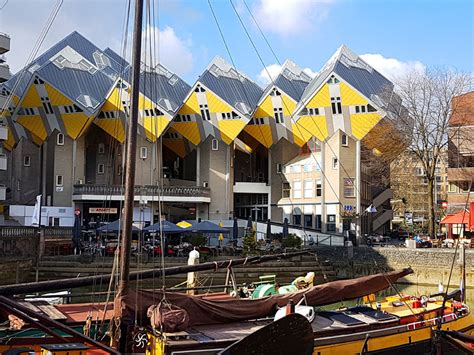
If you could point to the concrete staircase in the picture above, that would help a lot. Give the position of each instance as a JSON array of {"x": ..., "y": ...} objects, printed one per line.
[{"x": 285, "y": 270}]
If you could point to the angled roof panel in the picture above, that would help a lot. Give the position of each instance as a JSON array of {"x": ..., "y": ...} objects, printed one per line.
[
  {"x": 90, "y": 90},
  {"x": 118, "y": 62},
  {"x": 230, "y": 85},
  {"x": 23, "y": 78},
  {"x": 164, "y": 88},
  {"x": 292, "y": 80}
]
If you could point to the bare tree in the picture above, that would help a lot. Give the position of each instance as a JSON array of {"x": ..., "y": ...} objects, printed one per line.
[{"x": 428, "y": 98}]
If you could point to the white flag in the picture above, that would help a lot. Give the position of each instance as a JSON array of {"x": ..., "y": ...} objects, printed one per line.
[
  {"x": 37, "y": 212},
  {"x": 371, "y": 209}
]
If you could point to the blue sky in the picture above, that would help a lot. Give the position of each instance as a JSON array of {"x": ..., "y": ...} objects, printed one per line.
[{"x": 394, "y": 36}]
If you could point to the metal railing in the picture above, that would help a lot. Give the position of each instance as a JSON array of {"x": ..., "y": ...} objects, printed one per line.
[
  {"x": 146, "y": 190},
  {"x": 22, "y": 231}
]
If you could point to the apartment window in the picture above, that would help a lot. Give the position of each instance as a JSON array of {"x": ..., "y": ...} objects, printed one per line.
[
  {"x": 101, "y": 148},
  {"x": 370, "y": 108},
  {"x": 331, "y": 223},
  {"x": 419, "y": 172},
  {"x": 437, "y": 170},
  {"x": 199, "y": 89},
  {"x": 345, "y": 140},
  {"x": 60, "y": 139},
  {"x": 319, "y": 188},
  {"x": 308, "y": 168},
  {"x": 308, "y": 188},
  {"x": 296, "y": 189},
  {"x": 53, "y": 221},
  {"x": 453, "y": 188},
  {"x": 226, "y": 115},
  {"x": 285, "y": 190},
  {"x": 101, "y": 169},
  {"x": 297, "y": 219},
  {"x": 215, "y": 144},
  {"x": 317, "y": 222},
  {"x": 336, "y": 105},
  {"x": 308, "y": 220},
  {"x": 278, "y": 113},
  {"x": 59, "y": 180},
  {"x": 205, "y": 112},
  {"x": 312, "y": 111},
  {"x": 335, "y": 163},
  {"x": 18, "y": 185},
  {"x": 47, "y": 105},
  {"x": 279, "y": 168},
  {"x": 119, "y": 169},
  {"x": 143, "y": 152},
  {"x": 26, "y": 160},
  {"x": 349, "y": 188}
]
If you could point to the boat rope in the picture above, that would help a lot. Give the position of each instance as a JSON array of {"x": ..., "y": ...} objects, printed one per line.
[
  {"x": 440, "y": 320},
  {"x": 402, "y": 299}
]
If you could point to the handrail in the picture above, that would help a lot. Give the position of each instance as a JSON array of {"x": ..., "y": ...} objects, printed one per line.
[
  {"x": 143, "y": 190},
  {"x": 25, "y": 231}
]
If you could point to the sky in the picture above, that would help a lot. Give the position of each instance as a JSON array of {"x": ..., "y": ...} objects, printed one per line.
[{"x": 393, "y": 36}]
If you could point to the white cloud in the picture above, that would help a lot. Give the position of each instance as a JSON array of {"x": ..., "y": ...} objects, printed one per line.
[
  {"x": 263, "y": 77},
  {"x": 392, "y": 68},
  {"x": 310, "y": 72},
  {"x": 174, "y": 52},
  {"x": 289, "y": 17},
  {"x": 103, "y": 31}
]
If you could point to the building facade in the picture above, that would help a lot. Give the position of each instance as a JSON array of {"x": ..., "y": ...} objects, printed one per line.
[
  {"x": 4, "y": 76},
  {"x": 221, "y": 148},
  {"x": 461, "y": 153},
  {"x": 410, "y": 189}
]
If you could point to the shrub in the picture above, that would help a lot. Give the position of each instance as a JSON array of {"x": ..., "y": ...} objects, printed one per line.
[
  {"x": 198, "y": 240},
  {"x": 292, "y": 241},
  {"x": 249, "y": 242}
]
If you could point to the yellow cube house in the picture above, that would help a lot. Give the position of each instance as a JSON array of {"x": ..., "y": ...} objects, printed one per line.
[{"x": 64, "y": 349}]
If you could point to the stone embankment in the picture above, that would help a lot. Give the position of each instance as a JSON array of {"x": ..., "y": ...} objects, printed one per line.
[{"x": 430, "y": 266}]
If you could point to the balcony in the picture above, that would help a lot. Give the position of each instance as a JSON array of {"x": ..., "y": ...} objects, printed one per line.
[
  {"x": 460, "y": 174},
  {"x": 192, "y": 194},
  {"x": 4, "y": 72},
  {"x": 4, "y": 43},
  {"x": 3, "y": 162}
]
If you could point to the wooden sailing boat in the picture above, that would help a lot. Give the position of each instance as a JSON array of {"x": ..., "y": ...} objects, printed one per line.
[{"x": 215, "y": 324}]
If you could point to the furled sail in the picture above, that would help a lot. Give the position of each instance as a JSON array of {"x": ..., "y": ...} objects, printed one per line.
[{"x": 211, "y": 311}]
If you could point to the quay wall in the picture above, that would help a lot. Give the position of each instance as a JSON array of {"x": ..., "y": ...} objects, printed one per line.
[
  {"x": 430, "y": 266},
  {"x": 15, "y": 270}
]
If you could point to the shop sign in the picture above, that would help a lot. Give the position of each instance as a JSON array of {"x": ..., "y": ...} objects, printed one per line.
[{"x": 102, "y": 210}]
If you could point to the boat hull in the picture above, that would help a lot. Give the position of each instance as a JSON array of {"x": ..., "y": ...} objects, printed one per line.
[{"x": 413, "y": 338}]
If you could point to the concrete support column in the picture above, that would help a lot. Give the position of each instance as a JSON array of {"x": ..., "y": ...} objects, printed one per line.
[
  {"x": 198, "y": 165},
  {"x": 228, "y": 189},
  {"x": 44, "y": 156},
  {"x": 269, "y": 208},
  {"x": 323, "y": 189},
  {"x": 74, "y": 166},
  {"x": 358, "y": 191}
]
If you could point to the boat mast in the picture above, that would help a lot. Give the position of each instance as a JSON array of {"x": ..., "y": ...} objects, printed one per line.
[{"x": 126, "y": 238}]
